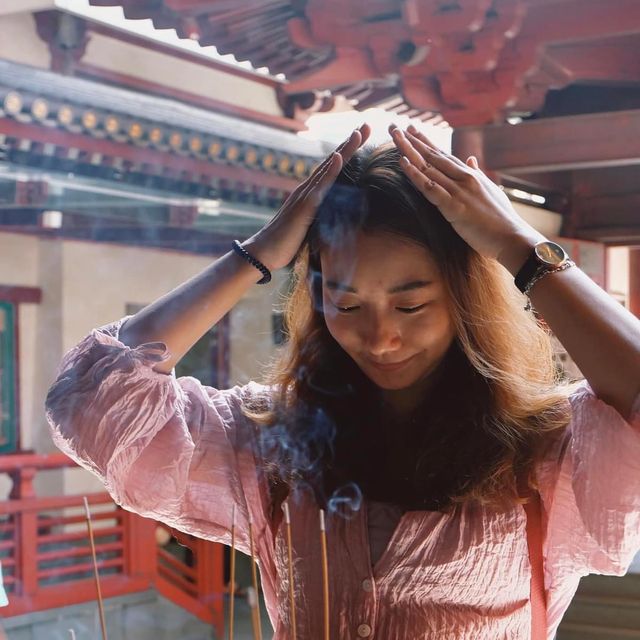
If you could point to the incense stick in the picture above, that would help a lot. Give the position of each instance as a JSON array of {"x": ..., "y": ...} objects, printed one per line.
[
  {"x": 103, "y": 624},
  {"x": 252, "y": 599},
  {"x": 292, "y": 600},
  {"x": 72, "y": 634},
  {"x": 232, "y": 571},
  {"x": 257, "y": 625},
  {"x": 325, "y": 575}
]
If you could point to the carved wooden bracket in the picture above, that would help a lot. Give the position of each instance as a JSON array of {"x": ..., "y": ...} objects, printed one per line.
[{"x": 66, "y": 36}]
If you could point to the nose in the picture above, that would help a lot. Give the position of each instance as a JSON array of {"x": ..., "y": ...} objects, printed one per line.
[{"x": 381, "y": 335}]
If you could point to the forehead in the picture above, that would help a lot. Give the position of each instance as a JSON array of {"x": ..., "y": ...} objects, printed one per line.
[{"x": 383, "y": 257}]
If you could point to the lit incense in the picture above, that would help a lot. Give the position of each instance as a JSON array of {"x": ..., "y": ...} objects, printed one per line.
[
  {"x": 103, "y": 624},
  {"x": 292, "y": 600},
  {"x": 232, "y": 571},
  {"x": 257, "y": 625},
  {"x": 325, "y": 575}
]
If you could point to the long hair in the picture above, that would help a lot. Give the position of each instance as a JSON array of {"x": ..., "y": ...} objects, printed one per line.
[{"x": 495, "y": 400}]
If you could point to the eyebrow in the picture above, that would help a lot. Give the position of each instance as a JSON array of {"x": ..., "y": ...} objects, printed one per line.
[{"x": 407, "y": 286}]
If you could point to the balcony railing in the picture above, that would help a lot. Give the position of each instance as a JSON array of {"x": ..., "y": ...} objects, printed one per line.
[{"x": 46, "y": 556}]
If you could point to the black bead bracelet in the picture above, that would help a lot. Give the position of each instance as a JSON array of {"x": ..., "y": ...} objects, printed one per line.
[{"x": 243, "y": 253}]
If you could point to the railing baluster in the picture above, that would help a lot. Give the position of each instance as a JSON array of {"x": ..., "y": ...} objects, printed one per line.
[
  {"x": 140, "y": 546},
  {"x": 25, "y": 533},
  {"x": 39, "y": 577}
]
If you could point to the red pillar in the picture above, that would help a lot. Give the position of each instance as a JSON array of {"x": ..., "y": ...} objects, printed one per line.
[
  {"x": 140, "y": 547},
  {"x": 469, "y": 141}
]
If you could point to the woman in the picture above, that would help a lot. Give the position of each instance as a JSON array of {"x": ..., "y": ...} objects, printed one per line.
[{"x": 413, "y": 380}]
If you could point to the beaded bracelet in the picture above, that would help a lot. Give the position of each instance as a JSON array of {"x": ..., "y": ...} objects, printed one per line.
[
  {"x": 243, "y": 253},
  {"x": 541, "y": 274}
]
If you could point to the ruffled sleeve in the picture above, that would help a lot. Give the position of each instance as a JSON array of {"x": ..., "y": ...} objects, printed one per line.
[
  {"x": 590, "y": 487},
  {"x": 166, "y": 448}
]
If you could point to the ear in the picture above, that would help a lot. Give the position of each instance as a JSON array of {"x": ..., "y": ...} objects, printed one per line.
[{"x": 472, "y": 161}]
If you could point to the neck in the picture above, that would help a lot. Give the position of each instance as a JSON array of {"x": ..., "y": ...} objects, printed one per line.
[{"x": 402, "y": 403}]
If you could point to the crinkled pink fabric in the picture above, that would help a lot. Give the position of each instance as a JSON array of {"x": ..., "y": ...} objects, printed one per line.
[{"x": 182, "y": 453}]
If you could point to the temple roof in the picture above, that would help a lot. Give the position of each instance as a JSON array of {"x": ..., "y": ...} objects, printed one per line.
[{"x": 472, "y": 61}]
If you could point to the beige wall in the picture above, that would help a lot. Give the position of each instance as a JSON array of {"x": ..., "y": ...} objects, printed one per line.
[
  {"x": 85, "y": 285},
  {"x": 19, "y": 41},
  {"x": 618, "y": 273},
  {"x": 164, "y": 69},
  {"x": 546, "y": 222}
]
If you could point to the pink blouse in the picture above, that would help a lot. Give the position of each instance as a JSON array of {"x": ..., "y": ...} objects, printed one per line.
[{"x": 174, "y": 450}]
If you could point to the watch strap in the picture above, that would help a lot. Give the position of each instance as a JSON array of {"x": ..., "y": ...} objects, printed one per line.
[{"x": 528, "y": 271}]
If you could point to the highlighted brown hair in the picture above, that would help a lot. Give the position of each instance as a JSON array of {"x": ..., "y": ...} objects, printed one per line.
[{"x": 497, "y": 399}]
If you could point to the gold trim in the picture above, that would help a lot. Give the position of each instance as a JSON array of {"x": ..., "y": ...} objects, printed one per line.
[
  {"x": 12, "y": 103},
  {"x": 89, "y": 120},
  {"x": 40, "y": 109}
]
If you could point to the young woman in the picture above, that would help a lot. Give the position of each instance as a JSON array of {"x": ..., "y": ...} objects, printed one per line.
[{"x": 416, "y": 400}]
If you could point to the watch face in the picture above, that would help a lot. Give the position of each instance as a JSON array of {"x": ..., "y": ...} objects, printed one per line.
[{"x": 551, "y": 253}]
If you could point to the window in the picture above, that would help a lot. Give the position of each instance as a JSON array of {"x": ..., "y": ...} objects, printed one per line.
[{"x": 207, "y": 360}]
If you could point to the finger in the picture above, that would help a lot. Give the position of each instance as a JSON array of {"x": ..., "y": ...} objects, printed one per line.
[
  {"x": 339, "y": 149},
  {"x": 365, "y": 132},
  {"x": 422, "y": 161},
  {"x": 446, "y": 164},
  {"x": 326, "y": 173},
  {"x": 328, "y": 166},
  {"x": 423, "y": 138},
  {"x": 472, "y": 161},
  {"x": 430, "y": 189},
  {"x": 318, "y": 190},
  {"x": 351, "y": 146},
  {"x": 345, "y": 150},
  {"x": 304, "y": 187}
]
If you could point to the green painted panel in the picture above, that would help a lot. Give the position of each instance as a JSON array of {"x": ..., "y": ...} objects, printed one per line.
[{"x": 7, "y": 378}]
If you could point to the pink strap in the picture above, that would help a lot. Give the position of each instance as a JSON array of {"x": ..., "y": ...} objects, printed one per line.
[{"x": 534, "y": 543}]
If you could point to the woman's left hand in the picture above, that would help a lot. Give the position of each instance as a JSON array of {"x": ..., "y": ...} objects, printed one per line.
[{"x": 476, "y": 207}]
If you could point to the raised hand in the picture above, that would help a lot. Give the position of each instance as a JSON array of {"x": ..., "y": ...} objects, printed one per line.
[
  {"x": 277, "y": 243},
  {"x": 476, "y": 207}
]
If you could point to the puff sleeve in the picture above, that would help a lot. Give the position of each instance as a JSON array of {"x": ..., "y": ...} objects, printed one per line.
[
  {"x": 590, "y": 488},
  {"x": 166, "y": 448}
]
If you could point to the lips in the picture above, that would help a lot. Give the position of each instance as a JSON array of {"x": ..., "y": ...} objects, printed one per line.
[{"x": 390, "y": 366}]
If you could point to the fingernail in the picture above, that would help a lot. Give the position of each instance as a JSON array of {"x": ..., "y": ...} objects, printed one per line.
[{"x": 412, "y": 129}]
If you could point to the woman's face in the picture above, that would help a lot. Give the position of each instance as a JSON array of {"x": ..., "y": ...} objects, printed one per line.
[{"x": 386, "y": 305}]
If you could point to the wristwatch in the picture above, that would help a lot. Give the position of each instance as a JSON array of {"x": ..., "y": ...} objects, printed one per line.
[{"x": 546, "y": 256}]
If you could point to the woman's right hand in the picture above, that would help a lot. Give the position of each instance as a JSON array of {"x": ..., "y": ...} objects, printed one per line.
[{"x": 278, "y": 242}]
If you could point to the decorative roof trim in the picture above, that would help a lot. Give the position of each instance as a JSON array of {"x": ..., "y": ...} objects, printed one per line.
[
  {"x": 79, "y": 130},
  {"x": 153, "y": 109}
]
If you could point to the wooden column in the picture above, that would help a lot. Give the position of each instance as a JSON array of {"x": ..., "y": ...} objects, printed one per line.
[
  {"x": 469, "y": 141},
  {"x": 209, "y": 578},
  {"x": 140, "y": 548},
  {"x": 26, "y": 533},
  {"x": 634, "y": 281}
]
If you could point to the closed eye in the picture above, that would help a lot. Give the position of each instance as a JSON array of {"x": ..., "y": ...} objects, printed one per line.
[
  {"x": 407, "y": 310},
  {"x": 412, "y": 309}
]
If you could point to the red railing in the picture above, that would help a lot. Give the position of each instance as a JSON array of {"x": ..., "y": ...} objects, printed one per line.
[{"x": 46, "y": 557}]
